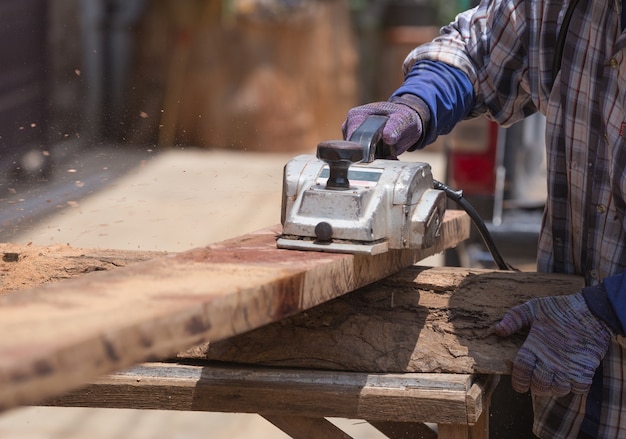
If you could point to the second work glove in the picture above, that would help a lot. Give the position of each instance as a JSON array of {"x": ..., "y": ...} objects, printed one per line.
[
  {"x": 405, "y": 126},
  {"x": 564, "y": 346}
]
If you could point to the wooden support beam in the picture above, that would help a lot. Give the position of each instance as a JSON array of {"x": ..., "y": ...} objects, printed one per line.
[
  {"x": 480, "y": 430},
  {"x": 301, "y": 427},
  {"x": 59, "y": 336},
  {"x": 438, "y": 398},
  {"x": 423, "y": 319},
  {"x": 405, "y": 430}
]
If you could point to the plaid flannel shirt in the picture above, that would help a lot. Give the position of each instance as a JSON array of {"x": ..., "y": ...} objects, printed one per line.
[{"x": 506, "y": 48}]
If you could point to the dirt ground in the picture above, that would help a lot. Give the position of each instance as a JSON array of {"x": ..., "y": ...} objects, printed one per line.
[{"x": 172, "y": 201}]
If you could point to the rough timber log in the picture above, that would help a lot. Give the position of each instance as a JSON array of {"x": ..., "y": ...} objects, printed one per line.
[
  {"x": 58, "y": 336},
  {"x": 419, "y": 320}
]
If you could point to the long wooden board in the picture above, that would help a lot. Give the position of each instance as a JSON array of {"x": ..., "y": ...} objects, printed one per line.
[
  {"x": 59, "y": 336},
  {"x": 406, "y": 397},
  {"x": 422, "y": 319}
]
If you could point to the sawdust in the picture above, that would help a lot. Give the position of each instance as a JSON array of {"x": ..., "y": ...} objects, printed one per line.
[{"x": 27, "y": 266}]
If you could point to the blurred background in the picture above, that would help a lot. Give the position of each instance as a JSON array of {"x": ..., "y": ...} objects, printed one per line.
[
  {"x": 165, "y": 124},
  {"x": 263, "y": 75},
  {"x": 91, "y": 90}
]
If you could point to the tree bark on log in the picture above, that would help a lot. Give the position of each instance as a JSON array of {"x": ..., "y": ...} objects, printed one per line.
[{"x": 418, "y": 320}]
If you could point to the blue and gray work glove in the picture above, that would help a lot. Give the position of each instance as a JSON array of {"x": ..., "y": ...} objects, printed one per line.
[
  {"x": 404, "y": 130},
  {"x": 564, "y": 346}
]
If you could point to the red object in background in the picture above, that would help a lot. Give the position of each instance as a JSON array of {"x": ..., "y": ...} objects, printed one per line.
[{"x": 474, "y": 169}]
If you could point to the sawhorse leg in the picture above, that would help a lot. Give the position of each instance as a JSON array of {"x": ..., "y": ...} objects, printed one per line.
[
  {"x": 399, "y": 430},
  {"x": 300, "y": 427},
  {"x": 480, "y": 430}
]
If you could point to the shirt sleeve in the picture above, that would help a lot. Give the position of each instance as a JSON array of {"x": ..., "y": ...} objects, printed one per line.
[
  {"x": 490, "y": 44},
  {"x": 608, "y": 302},
  {"x": 447, "y": 92}
]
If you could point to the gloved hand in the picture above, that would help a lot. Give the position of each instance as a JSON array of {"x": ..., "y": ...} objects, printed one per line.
[
  {"x": 564, "y": 347},
  {"x": 404, "y": 128}
]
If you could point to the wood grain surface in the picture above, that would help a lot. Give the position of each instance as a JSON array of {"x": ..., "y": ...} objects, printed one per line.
[{"x": 58, "y": 336}]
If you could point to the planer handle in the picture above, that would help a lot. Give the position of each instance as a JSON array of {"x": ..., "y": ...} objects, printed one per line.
[{"x": 370, "y": 136}]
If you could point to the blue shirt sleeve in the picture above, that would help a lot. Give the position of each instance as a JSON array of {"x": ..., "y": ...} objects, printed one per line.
[
  {"x": 607, "y": 301},
  {"x": 447, "y": 92},
  {"x": 615, "y": 287}
]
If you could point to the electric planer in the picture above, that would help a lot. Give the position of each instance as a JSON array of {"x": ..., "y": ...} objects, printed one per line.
[{"x": 354, "y": 196}]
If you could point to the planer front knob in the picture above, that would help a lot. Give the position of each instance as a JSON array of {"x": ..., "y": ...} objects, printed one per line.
[{"x": 339, "y": 155}]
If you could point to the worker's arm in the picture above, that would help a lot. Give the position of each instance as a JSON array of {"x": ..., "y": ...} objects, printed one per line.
[
  {"x": 447, "y": 92},
  {"x": 565, "y": 344},
  {"x": 568, "y": 337},
  {"x": 432, "y": 99}
]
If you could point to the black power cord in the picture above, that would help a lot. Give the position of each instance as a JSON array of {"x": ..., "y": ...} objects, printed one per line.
[{"x": 457, "y": 197}]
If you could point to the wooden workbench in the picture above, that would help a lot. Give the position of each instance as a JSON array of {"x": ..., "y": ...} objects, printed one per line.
[
  {"x": 203, "y": 306},
  {"x": 412, "y": 348}
]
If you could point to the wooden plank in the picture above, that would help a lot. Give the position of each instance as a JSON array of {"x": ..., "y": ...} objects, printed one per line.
[
  {"x": 301, "y": 427},
  {"x": 423, "y": 319},
  {"x": 56, "y": 337},
  {"x": 409, "y": 397}
]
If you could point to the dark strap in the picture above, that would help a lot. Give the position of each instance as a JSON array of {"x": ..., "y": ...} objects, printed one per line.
[{"x": 560, "y": 42}]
